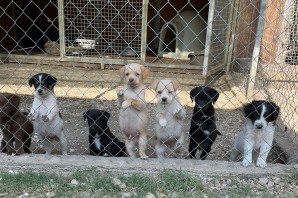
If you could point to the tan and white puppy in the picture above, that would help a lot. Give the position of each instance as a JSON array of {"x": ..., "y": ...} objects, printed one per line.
[
  {"x": 133, "y": 112},
  {"x": 170, "y": 114}
]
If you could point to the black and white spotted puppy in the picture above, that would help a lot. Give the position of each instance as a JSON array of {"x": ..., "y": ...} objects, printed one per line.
[
  {"x": 102, "y": 142},
  {"x": 258, "y": 133},
  {"x": 45, "y": 114},
  {"x": 203, "y": 131}
]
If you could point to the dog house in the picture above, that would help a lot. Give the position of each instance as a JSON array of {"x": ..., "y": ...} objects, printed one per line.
[{"x": 184, "y": 34}]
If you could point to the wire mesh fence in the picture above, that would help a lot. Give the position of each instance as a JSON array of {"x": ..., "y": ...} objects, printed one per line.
[{"x": 85, "y": 44}]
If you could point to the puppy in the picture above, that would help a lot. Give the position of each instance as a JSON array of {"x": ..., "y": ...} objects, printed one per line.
[
  {"x": 203, "y": 130},
  {"x": 170, "y": 115},
  {"x": 16, "y": 127},
  {"x": 101, "y": 141},
  {"x": 44, "y": 113},
  {"x": 258, "y": 132},
  {"x": 133, "y": 112}
]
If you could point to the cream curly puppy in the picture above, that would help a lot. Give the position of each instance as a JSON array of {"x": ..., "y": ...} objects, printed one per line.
[
  {"x": 170, "y": 114},
  {"x": 133, "y": 112}
]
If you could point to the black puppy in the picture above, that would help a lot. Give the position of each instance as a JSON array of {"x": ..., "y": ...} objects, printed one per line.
[
  {"x": 102, "y": 142},
  {"x": 203, "y": 130}
]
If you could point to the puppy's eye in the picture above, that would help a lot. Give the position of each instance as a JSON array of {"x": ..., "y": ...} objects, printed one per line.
[
  {"x": 159, "y": 92},
  {"x": 137, "y": 74},
  {"x": 170, "y": 92}
]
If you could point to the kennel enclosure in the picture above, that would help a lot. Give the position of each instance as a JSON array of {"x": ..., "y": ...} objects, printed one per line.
[{"x": 117, "y": 32}]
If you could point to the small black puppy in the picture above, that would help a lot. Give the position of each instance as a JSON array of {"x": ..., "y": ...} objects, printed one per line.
[
  {"x": 203, "y": 130},
  {"x": 102, "y": 142}
]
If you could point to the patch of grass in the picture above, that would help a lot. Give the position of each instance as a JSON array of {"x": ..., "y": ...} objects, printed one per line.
[
  {"x": 97, "y": 184},
  {"x": 242, "y": 190},
  {"x": 293, "y": 177},
  {"x": 169, "y": 183},
  {"x": 30, "y": 182},
  {"x": 185, "y": 185}
]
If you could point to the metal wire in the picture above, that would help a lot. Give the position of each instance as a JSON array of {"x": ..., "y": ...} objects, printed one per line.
[{"x": 194, "y": 42}]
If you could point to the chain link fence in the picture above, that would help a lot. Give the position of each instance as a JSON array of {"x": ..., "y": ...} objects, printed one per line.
[{"x": 244, "y": 49}]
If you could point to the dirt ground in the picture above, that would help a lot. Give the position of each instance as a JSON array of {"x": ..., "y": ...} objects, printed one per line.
[
  {"x": 228, "y": 113},
  {"x": 77, "y": 91}
]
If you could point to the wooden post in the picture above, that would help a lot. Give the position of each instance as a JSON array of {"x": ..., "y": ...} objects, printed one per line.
[
  {"x": 61, "y": 27},
  {"x": 144, "y": 30},
  {"x": 208, "y": 36},
  {"x": 256, "y": 51},
  {"x": 233, "y": 23}
]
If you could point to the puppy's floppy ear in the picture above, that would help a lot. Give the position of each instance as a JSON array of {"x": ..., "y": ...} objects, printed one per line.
[
  {"x": 176, "y": 84},
  {"x": 121, "y": 72},
  {"x": 193, "y": 93},
  {"x": 31, "y": 81},
  {"x": 52, "y": 80},
  {"x": 14, "y": 100},
  {"x": 213, "y": 94},
  {"x": 154, "y": 84},
  {"x": 248, "y": 109},
  {"x": 145, "y": 72},
  {"x": 275, "y": 111},
  {"x": 106, "y": 114}
]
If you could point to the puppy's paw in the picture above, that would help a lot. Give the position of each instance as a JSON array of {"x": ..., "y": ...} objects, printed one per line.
[
  {"x": 177, "y": 110},
  {"x": 178, "y": 145},
  {"x": 144, "y": 157},
  {"x": 261, "y": 163},
  {"x": 31, "y": 117},
  {"x": 126, "y": 104},
  {"x": 45, "y": 118},
  {"x": 120, "y": 92},
  {"x": 163, "y": 122},
  {"x": 245, "y": 163},
  {"x": 105, "y": 155}
]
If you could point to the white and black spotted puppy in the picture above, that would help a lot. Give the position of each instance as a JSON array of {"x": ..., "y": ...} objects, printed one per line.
[
  {"x": 102, "y": 142},
  {"x": 45, "y": 114},
  {"x": 258, "y": 133}
]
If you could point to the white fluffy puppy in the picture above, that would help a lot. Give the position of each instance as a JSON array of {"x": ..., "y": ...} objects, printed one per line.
[
  {"x": 133, "y": 112},
  {"x": 170, "y": 114},
  {"x": 44, "y": 113},
  {"x": 258, "y": 132}
]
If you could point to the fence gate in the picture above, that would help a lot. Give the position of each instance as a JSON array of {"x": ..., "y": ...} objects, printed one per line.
[
  {"x": 105, "y": 29},
  {"x": 219, "y": 27}
]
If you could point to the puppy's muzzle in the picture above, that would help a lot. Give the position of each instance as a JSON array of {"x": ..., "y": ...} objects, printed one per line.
[
  {"x": 40, "y": 91},
  {"x": 164, "y": 100},
  {"x": 259, "y": 126},
  {"x": 131, "y": 80}
]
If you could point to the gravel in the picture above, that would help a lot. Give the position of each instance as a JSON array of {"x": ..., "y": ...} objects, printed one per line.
[{"x": 230, "y": 120}]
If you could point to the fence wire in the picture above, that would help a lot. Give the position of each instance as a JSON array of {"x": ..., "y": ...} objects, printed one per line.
[{"x": 85, "y": 44}]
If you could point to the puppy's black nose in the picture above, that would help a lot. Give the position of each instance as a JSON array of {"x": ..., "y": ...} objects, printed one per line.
[
  {"x": 259, "y": 126},
  {"x": 131, "y": 80},
  {"x": 39, "y": 91},
  {"x": 164, "y": 99}
]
